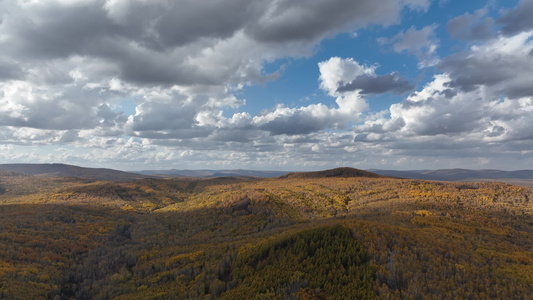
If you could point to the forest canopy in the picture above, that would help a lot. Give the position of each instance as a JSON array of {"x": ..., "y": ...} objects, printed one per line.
[{"x": 286, "y": 238}]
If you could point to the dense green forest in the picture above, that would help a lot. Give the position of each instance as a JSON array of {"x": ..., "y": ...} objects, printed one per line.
[{"x": 317, "y": 236}]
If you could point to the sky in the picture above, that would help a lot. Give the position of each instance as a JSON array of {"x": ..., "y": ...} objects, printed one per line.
[{"x": 290, "y": 85}]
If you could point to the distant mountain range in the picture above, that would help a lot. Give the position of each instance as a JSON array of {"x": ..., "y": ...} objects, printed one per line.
[
  {"x": 63, "y": 170},
  {"x": 523, "y": 177},
  {"x": 213, "y": 173},
  {"x": 458, "y": 174},
  {"x": 520, "y": 177}
]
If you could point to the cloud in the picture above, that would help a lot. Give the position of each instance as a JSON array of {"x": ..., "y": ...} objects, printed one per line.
[
  {"x": 367, "y": 84},
  {"x": 307, "y": 21},
  {"x": 165, "y": 43},
  {"x": 350, "y": 103},
  {"x": 48, "y": 107},
  {"x": 431, "y": 112},
  {"x": 10, "y": 70},
  {"x": 312, "y": 118},
  {"x": 145, "y": 45},
  {"x": 471, "y": 27},
  {"x": 68, "y": 69},
  {"x": 66, "y": 65},
  {"x": 518, "y": 19},
  {"x": 428, "y": 118},
  {"x": 420, "y": 43},
  {"x": 336, "y": 72},
  {"x": 338, "y": 76},
  {"x": 297, "y": 121},
  {"x": 37, "y": 137},
  {"x": 503, "y": 66},
  {"x": 479, "y": 106},
  {"x": 161, "y": 117}
]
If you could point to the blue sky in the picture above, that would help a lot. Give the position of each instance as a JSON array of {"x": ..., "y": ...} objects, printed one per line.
[{"x": 272, "y": 85}]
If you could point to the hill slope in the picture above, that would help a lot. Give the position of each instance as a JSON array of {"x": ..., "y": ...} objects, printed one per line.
[
  {"x": 338, "y": 172},
  {"x": 63, "y": 170},
  {"x": 286, "y": 238}
]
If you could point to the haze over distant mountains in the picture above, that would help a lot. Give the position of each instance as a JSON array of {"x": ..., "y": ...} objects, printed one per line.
[
  {"x": 523, "y": 177},
  {"x": 457, "y": 174},
  {"x": 214, "y": 173}
]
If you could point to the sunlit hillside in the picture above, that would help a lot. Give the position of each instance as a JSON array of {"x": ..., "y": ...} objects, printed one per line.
[{"x": 344, "y": 235}]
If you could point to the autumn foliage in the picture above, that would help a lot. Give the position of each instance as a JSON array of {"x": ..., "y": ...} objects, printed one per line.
[{"x": 300, "y": 237}]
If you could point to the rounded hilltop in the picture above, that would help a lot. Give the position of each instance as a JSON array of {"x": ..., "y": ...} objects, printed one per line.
[{"x": 337, "y": 172}]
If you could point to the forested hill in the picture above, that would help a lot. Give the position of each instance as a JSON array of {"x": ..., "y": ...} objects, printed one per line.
[
  {"x": 338, "y": 172},
  {"x": 64, "y": 170},
  {"x": 326, "y": 236}
]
